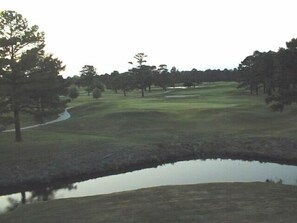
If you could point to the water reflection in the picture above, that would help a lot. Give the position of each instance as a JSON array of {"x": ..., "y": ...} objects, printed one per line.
[
  {"x": 279, "y": 181},
  {"x": 40, "y": 194},
  {"x": 185, "y": 172}
]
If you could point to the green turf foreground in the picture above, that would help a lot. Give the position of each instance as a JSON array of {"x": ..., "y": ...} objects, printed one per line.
[{"x": 223, "y": 202}]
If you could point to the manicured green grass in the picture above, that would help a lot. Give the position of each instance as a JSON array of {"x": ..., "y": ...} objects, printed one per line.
[{"x": 212, "y": 110}]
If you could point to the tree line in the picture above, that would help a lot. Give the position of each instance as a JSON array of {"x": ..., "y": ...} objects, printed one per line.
[
  {"x": 272, "y": 73},
  {"x": 142, "y": 77}
]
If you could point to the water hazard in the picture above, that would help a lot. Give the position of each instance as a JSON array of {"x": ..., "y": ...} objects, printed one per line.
[{"x": 185, "y": 172}]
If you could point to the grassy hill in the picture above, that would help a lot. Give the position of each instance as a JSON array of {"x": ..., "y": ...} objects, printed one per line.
[
  {"x": 212, "y": 120},
  {"x": 223, "y": 202}
]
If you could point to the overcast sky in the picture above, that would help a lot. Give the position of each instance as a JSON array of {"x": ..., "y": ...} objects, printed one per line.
[{"x": 187, "y": 34}]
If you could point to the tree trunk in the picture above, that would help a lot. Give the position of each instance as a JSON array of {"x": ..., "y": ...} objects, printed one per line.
[
  {"x": 150, "y": 89},
  {"x": 142, "y": 92},
  {"x": 124, "y": 93},
  {"x": 23, "y": 194},
  {"x": 42, "y": 115},
  {"x": 17, "y": 125}
]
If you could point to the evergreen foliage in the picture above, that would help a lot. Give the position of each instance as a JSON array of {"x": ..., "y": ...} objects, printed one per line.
[
  {"x": 29, "y": 78},
  {"x": 274, "y": 72}
]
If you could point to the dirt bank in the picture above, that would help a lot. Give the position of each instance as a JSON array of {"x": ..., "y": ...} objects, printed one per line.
[
  {"x": 224, "y": 202},
  {"x": 29, "y": 173}
]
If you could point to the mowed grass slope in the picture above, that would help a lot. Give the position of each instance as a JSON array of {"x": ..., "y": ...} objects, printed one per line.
[
  {"x": 118, "y": 127},
  {"x": 222, "y": 202},
  {"x": 213, "y": 110}
]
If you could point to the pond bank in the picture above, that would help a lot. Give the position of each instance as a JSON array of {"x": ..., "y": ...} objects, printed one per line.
[
  {"x": 77, "y": 166},
  {"x": 223, "y": 202}
]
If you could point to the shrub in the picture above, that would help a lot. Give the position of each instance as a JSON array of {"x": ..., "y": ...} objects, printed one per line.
[
  {"x": 96, "y": 93},
  {"x": 73, "y": 92}
]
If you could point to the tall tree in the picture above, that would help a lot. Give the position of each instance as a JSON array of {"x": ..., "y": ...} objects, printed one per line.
[
  {"x": 45, "y": 87},
  {"x": 285, "y": 90},
  {"x": 115, "y": 81},
  {"x": 249, "y": 75},
  {"x": 275, "y": 72},
  {"x": 126, "y": 82},
  {"x": 140, "y": 71},
  {"x": 175, "y": 74},
  {"x": 29, "y": 79},
  {"x": 87, "y": 77},
  {"x": 162, "y": 77},
  {"x": 140, "y": 59}
]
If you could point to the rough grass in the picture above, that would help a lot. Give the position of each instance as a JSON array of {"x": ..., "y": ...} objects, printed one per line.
[{"x": 223, "y": 202}]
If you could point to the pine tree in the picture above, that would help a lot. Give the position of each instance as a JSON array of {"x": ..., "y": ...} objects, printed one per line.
[{"x": 29, "y": 80}]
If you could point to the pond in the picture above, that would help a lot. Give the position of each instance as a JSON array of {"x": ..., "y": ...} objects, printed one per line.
[{"x": 185, "y": 172}]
